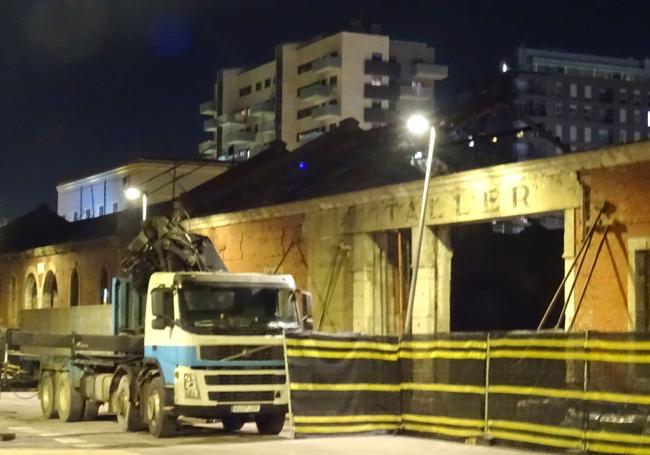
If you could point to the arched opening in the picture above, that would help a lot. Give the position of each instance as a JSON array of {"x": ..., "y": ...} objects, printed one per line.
[
  {"x": 31, "y": 292},
  {"x": 50, "y": 291},
  {"x": 74, "y": 288},
  {"x": 104, "y": 293}
]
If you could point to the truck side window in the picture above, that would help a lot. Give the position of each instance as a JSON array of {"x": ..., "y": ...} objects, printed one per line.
[{"x": 163, "y": 303}]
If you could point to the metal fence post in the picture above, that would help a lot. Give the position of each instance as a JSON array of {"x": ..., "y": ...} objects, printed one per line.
[
  {"x": 487, "y": 386},
  {"x": 585, "y": 406}
]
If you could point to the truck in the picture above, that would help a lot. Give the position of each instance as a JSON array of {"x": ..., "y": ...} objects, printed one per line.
[{"x": 202, "y": 344}]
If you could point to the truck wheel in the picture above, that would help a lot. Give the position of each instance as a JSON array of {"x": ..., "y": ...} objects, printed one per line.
[
  {"x": 69, "y": 401},
  {"x": 269, "y": 423},
  {"x": 128, "y": 415},
  {"x": 91, "y": 409},
  {"x": 232, "y": 423},
  {"x": 46, "y": 393},
  {"x": 160, "y": 421}
]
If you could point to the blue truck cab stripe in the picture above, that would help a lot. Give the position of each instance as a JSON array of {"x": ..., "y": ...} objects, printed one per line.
[{"x": 169, "y": 357}]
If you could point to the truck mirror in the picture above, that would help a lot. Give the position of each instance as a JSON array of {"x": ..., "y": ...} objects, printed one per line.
[
  {"x": 306, "y": 310},
  {"x": 162, "y": 304},
  {"x": 159, "y": 323}
]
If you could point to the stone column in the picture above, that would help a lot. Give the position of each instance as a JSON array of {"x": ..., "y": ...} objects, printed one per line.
[{"x": 432, "y": 292}]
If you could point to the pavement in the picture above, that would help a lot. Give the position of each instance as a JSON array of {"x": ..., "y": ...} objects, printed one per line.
[{"x": 20, "y": 414}]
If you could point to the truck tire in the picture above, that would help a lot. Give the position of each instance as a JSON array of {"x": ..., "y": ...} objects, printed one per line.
[
  {"x": 69, "y": 402},
  {"x": 232, "y": 423},
  {"x": 91, "y": 409},
  {"x": 47, "y": 395},
  {"x": 128, "y": 415},
  {"x": 160, "y": 421},
  {"x": 270, "y": 424}
]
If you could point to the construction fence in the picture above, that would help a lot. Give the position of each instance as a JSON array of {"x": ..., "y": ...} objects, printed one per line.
[{"x": 568, "y": 391}]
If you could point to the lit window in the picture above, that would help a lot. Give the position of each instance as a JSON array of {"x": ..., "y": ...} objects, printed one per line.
[
  {"x": 375, "y": 80},
  {"x": 587, "y": 92},
  {"x": 587, "y": 134},
  {"x": 648, "y": 119},
  {"x": 622, "y": 116}
]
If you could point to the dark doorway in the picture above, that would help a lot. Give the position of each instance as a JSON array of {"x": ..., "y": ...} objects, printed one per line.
[{"x": 504, "y": 281}]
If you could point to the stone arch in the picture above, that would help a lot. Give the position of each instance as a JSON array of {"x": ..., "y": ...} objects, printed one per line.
[
  {"x": 104, "y": 287},
  {"x": 50, "y": 291},
  {"x": 74, "y": 287},
  {"x": 30, "y": 295}
]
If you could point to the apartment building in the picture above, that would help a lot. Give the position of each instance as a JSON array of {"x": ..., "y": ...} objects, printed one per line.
[
  {"x": 310, "y": 86},
  {"x": 586, "y": 101}
]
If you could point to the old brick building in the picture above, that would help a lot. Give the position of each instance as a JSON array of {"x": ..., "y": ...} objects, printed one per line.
[{"x": 341, "y": 223}]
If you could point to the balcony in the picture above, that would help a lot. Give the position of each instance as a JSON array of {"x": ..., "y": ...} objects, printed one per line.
[
  {"x": 415, "y": 93},
  {"x": 207, "y": 148},
  {"x": 267, "y": 128},
  {"x": 379, "y": 92},
  {"x": 327, "y": 64},
  {"x": 429, "y": 71},
  {"x": 240, "y": 137},
  {"x": 375, "y": 115},
  {"x": 263, "y": 109},
  {"x": 208, "y": 108},
  {"x": 380, "y": 68},
  {"x": 210, "y": 125},
  {"x": 231, "y": 119},
  {"x": 326, "y": 112},
  {"x": 315, "y": 93}
]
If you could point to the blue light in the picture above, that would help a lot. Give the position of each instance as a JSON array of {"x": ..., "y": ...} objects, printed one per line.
[{"x": 302, "y": 165}]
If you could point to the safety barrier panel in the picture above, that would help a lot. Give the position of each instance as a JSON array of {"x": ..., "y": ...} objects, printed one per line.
[{"x": 575, "y": 391}]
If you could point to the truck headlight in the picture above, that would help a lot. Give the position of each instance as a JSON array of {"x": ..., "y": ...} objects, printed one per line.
[{"x": 190, "y": 385}]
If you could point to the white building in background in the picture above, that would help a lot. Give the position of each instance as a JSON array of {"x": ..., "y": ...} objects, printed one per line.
[
  {"x": 310, "y": 86},
  {"x": 103, "y": 193}
]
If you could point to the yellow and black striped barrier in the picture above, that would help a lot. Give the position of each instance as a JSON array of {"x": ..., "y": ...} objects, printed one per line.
[{"x": 587, "y": 392}]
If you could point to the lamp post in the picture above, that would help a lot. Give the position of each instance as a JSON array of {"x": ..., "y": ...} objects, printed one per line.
[
  {"x": 418, "y": 124},
  {"x": 132, "y": 193}
]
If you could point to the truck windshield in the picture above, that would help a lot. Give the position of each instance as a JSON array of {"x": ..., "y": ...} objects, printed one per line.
[{"x": 216, "y": 309}]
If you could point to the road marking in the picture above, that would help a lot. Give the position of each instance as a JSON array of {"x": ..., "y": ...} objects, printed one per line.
[
  {"x": 88, "y": 446},
  {"x": 70, "y": 440},
  {"x": 50, "y": 435},
  {"x": 20, "y": 428}
]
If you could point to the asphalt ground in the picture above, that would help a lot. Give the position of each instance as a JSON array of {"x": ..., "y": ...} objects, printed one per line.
[{"x": 20, "y": 415}]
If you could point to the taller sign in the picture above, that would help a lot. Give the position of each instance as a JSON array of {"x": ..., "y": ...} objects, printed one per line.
[{"x": 473, "y": 199}]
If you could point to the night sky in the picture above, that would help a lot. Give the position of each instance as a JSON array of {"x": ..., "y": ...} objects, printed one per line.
[{"x": 86, "y": 84}]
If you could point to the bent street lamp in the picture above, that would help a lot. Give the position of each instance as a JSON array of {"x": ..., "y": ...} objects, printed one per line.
[{"x": 418, "y": 124}]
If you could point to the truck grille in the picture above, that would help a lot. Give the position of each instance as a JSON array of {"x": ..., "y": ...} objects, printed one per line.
[
  {"x": 237, "y": 379},
  {"x": 223, "y": 352},
  {"x": 241, "y": 396}
]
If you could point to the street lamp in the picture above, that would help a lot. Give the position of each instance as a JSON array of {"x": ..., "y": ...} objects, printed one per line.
[
  {"x": 132, "y": 193},
  {"x": 418, "y": 124}
]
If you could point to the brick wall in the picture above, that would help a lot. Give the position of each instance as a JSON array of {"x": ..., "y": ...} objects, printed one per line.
[
  {"x": 89, "y": 259},
  {"x": 259, "y": 246},
  {"x": 605, "y": 305}
]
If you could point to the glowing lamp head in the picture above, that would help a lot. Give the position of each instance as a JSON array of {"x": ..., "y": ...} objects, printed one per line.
[
  {"x": 417, "y": 124},
  {"x": 132, "y": 193}
]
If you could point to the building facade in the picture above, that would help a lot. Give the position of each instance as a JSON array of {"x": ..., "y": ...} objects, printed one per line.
[
  {"x": 346, "y": 247},
  {"x": 103, "y": 193},
  {"x": 586, "y": 101},
  {"x": 310, "y": 86}
]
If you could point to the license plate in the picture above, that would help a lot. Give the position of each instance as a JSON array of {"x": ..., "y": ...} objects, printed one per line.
[{"x": 244, "y": 408}]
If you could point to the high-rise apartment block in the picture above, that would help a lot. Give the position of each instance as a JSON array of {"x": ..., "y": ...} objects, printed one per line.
[
  {"x": 310, "y": 86},
  {"x": 585, "y": 101}
]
